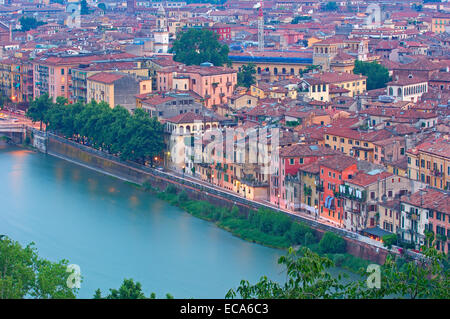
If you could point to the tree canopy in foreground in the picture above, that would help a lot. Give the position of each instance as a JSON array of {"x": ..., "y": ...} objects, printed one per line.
[{"x": 23, "y": 274}]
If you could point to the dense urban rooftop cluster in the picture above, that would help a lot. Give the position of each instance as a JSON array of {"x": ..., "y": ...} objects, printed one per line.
[{"x": 368, "y": 155}]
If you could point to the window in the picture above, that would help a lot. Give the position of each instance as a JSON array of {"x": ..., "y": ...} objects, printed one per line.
[{"x": 291, "y": 161}]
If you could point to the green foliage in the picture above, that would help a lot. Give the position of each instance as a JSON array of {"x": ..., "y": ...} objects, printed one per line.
[
  {"x": 377, "y": 75},
  {"x": 84, "y": 7},
  {"x": 23, "y": 274},
  {"x": 38, "y": 110},
  {"x": 331, "y": 6},
  {"x": 134, "y": 137},
  {"x": 297, "y": 19},
  {"x": 171, "y": 189},
  {"x": 332, "y": 243},
  {"x": 29, "y": 23},
  {"x": 128, "y": 290},
  {"x": 307, "y": 278},
  {"x": 293, "y": 123},
  {"x": 414, "y": 279},
  {"x": 102, "y": 6},
  {"x": 196, "y": 46},
  {"x": 389, "y": 240},
  {"x": 246, "y": 76}
]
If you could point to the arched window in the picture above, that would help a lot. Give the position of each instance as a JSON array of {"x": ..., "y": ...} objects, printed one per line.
[
  {"x": 391, "y": 92},
  {"x": 284, "y": 70},
  {"x": 275, "y": 71},
  {"x": 292, "y": 71},
  {"x": 399, "y": 92},
  {"x": 259, "y": 70}
]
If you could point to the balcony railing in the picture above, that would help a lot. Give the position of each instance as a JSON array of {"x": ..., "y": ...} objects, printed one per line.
[{"x": 436, "y": 173}]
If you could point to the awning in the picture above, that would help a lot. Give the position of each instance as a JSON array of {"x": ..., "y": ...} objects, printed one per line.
[
  {"x": 326, "y": 201},
  {"x": 330, "y": 201},
  {"x": 376, "y": 231}
]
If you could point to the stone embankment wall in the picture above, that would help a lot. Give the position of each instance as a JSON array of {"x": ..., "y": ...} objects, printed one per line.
[{"x": 139, "y": 174}]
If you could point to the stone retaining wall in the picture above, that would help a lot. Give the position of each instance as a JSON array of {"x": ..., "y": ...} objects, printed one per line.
[{"x": 140, "y": 174}]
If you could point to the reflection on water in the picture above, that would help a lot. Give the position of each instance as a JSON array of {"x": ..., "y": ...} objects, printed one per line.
[{"x": 114, "y": 231}]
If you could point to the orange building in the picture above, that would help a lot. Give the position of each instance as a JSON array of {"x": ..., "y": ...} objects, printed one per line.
[{"x": 334, "y": 172}]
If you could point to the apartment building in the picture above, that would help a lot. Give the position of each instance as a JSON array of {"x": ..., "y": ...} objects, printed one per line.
[
  {"x": 429, "y": 162},
  {"x": 213, "y": 84}
]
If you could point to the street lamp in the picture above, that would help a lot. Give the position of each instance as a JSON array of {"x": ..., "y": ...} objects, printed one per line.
[
  {"x": 278, "y": 201},
  {"x": 315, "y": 211}
]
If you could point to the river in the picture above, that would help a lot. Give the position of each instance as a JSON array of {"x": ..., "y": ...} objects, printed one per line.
[{"x": 113, "y": 230}]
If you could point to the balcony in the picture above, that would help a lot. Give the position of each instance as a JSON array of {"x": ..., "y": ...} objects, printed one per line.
[
  {"x": 437, "y": 173},
  {"x": 229, "y": 83},
  {"x": 352, "y": 196}
]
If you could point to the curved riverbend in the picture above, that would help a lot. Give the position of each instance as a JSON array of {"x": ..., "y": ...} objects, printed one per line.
[{"x": 114, "y": 231}]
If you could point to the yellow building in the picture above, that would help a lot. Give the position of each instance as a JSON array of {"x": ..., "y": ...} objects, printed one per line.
[
  {"x": 315, "y": 89},
  {"x": 355, "y": 83},
  {"x": 429, "y": 162},
  {"x": 439, "y": 22},
  {"x": 116, "y": 88},
  {"x": 5, "y": 78},
  {"x": 272, "y": 66},
  {"x": 354, "y": 143}
]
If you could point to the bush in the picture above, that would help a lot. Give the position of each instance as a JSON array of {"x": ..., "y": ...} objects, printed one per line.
[
  {"x": 309, "y": 238},
  {"x": 298, "y": 232},
  {"x": 389, "y": 240},
  {"x": 183, "y": 197},
  {"x": 332, "y": 243},
  {"x": 171, "y": 189},
  {"x": 339, "y": 260}
]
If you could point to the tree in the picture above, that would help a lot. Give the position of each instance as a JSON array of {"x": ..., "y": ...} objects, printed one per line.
[
  {"x": 307, "y": 278},
  {"x": 128, "y": 290},
  {"x": 389, "y": 240},
  {"x": 425, "y": 278},
  {"x": 84, "y": 7},
  {"x": 246, "y": 76},
  {"x": 23, "y": 274},
  {"x": 297, "y": 19},
  {"x": 38, "y": 109},
  {"x": 29, "y": 23},
  {"x": 331, "y": 6},
  {"x": 377, "y": 75},
  {"x": 102, "y": 6},
  {"x": 196, "y": 46},
  {"x": 332, "y": 243}
]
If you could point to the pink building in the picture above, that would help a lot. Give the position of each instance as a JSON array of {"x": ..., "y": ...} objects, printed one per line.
[
  {"x": 213, "y": 83},
  {"x": 291, "y": 159},
  {"x": 53, "y": 74}
]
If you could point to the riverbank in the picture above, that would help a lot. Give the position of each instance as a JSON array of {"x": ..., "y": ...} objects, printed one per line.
[
  {"x": 160, "y": 181},
  {"x": 264, "y": 227}
]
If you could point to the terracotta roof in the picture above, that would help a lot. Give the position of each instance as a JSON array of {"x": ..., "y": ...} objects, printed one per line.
[
  {"x": 430, "y": 199},
  {"x": 363, "y": 179},
  {"x": 339, "y": 163},
  {"x": 106, "y": 77},
  {"x": 297, "y": 150},
  {"x": 189, "y": 117}
]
